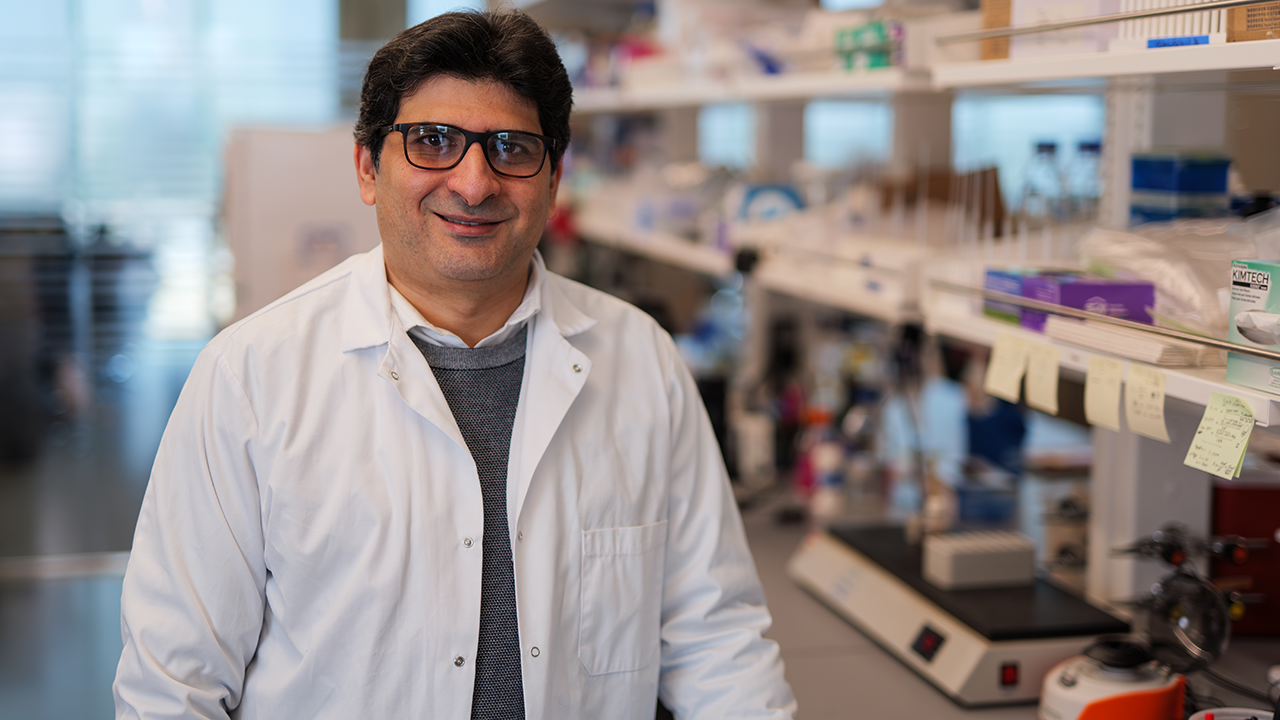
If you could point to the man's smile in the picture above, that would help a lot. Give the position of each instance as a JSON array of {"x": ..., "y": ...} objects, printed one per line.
[{"x": 467, "y": 221}]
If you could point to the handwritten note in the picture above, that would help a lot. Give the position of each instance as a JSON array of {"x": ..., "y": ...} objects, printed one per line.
[
  {"x": 1144, "y": 402},
  {"x": 1005, "y": 368},
  {"x": 1042, "y": 377},
  {"x": 1220, "y": 441},
  {"x": 1102, "y": 392}
]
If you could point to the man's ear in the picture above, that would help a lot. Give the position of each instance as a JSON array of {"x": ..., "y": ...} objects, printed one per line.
[
  {"x": 367, "y": 174},
  {"x": 555, "y": 181}
]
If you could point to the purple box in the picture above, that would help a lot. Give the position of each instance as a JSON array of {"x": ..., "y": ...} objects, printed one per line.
[{"x": 1125, "y": 299}]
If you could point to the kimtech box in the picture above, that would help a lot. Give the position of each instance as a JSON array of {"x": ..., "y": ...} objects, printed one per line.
[{"x": 1255, "y": 322}]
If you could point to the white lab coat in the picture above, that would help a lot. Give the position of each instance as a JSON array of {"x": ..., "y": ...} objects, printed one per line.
[{"x": 310, "y": 541}]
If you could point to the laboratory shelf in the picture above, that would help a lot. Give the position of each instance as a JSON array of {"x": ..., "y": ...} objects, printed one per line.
[
  {"x": 599, "y": 228},
  {"x": 957, "y": 319},
  {"x": 865, "y": 273},
  {"x": 802, "y": 86},
  {"x": 761, "y": 88},
  {"x": 1155, "y": 62},
  {"x": 872, "y": 292}
]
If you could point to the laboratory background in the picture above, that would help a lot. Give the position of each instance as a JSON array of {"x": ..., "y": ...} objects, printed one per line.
[{"x": 978, "y": 295}]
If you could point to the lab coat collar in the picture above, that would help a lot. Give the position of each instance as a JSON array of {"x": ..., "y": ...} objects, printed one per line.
[
  {"x": 368, "y": 320},
  {"x": 562, "y": 369},
  {"x": 557, "y": 309}
]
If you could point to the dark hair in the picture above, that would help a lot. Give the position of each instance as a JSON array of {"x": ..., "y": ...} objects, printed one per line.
[{"x": 509, "y": 48}]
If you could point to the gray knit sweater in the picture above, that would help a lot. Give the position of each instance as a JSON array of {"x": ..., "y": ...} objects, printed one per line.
[{"x": 482, "y": 386}]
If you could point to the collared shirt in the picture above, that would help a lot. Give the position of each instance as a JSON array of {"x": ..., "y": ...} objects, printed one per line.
[
  {"x": 421, "y": 328},
  {"x": 310, "y": 544}
]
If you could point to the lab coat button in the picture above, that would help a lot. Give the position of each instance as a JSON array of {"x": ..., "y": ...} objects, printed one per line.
[
  {"x": 534, "y": 652},
  {"x": 466, "y": 542},
  {"x": 520, "y": 535},
  {"x": 577, "y": 368},
  {"x": 395, "y": 375},
  {"x": 458, "y": 661}
]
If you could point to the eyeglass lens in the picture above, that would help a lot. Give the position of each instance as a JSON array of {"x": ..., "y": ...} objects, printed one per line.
[{"x": 439, "y": 147}]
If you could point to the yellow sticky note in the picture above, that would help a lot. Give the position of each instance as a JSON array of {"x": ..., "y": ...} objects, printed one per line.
[
  {"x": 1144, "y": 402},
  {"x": 1220, "y": 441},
  {"x": 1005, "y": 367},
  {"x": 1042, "y": 377},
  {"x": 1102, "y": 392}
]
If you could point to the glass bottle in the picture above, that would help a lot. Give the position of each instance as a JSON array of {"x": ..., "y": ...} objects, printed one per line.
[
  {"x": 1084, "y": 183},
  {"x": 1042, "y": 197}
]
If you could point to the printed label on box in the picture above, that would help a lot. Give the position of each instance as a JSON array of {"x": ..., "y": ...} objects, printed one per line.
[
  {"x": 1254, "y": 322},
  {"x": 1256, "y": 22}
]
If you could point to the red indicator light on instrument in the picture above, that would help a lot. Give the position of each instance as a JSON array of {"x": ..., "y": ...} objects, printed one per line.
[
  {"x": 1009, "y": 674},
  {"x": 927, "y": 643},
  {"x": 1239, "y": 554}
]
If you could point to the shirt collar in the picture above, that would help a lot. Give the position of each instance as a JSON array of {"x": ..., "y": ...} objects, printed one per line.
[{"x": 419, "y": 327}]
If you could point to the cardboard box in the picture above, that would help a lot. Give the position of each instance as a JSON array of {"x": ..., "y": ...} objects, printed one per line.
[
  {"x": 1255, "y": 22},
  {"x": 996, "y": 14},
  {"x": 1254, "y": 322},
  {"x": 1124, "y": 299}
]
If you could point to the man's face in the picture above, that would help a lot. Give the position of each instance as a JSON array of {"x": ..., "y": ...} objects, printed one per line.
[{"x": 467, "y": 224}]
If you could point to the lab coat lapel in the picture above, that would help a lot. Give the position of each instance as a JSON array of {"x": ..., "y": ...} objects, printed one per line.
[
  {"x": 555, "y": 374},
  {"x": 369, "y": 321},
  {"x": 423, "y": 394}
]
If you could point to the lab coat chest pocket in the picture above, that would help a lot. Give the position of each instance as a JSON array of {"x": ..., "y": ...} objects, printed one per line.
[{"x": 621, "y": 597}]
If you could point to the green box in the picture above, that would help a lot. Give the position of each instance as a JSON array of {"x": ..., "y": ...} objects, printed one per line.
[
  {"x": 1254, "y": 322},
  {"x": 873, "y": 45}
]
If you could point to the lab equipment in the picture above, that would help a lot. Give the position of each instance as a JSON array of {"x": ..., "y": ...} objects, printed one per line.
[{"x": 988, "y": 646}]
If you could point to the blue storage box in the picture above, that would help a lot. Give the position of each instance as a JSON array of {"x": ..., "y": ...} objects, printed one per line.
[{"x": 1177, "y": 184}]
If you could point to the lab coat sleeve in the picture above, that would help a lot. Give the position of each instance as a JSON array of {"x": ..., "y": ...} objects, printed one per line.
[
  {"x": 192, "y": 606},
  {"x": 715, "y": 661}
]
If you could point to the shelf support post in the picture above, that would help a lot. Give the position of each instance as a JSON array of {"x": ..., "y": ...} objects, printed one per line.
[
  {"x": 921, "y": 132},
  {"x": 779, "y": 139},
  {"x": 1128, "y": 130}
]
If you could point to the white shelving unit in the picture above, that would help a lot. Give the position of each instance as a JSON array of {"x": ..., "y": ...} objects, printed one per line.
[
  {"x": 748, "y": 88},
  {"x": 1192, "y": 385},
  {"x": 871, "y": 292},
  {"x": 866, "y": 274},
  {"x": 1158, "y": 61},
  {"x": 601, "y": 229},
  {"x": 948, "y": 313}
]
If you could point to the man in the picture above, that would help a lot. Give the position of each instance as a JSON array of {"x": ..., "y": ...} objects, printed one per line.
[{"x": 438, "y": 481}]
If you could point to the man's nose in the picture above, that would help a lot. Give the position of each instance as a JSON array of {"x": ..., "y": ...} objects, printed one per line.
[{"x": 472, "y": 178}]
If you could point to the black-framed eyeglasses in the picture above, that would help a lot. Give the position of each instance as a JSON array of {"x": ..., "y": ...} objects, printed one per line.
[{"x": 433, "y": 146}]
